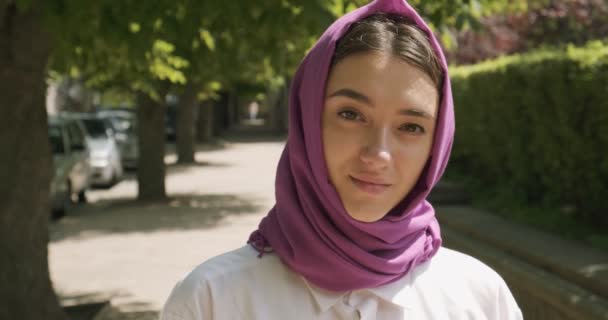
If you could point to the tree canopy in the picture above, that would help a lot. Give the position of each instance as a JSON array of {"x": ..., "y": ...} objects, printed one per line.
[{"x": 135, "y": 45}]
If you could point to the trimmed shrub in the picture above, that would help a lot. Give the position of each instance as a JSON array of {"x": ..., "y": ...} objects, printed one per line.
[{"x": 536, "y": 125}]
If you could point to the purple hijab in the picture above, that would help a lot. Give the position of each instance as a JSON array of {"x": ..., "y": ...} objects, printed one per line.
[{"x": 308, "y": 228}]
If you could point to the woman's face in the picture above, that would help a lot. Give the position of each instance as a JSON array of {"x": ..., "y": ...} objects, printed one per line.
[{"x": 378, "y": 126}]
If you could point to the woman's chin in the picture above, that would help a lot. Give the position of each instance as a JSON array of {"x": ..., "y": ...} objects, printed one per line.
[{"x": 369, "y": 215}]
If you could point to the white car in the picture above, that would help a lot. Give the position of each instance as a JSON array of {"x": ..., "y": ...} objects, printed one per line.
[{"x": 105, "y": 158}]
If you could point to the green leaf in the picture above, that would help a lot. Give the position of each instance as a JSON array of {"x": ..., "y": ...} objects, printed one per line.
[
  {"x": 134, "y": 27},
  {"x": 207, "y": 38}
]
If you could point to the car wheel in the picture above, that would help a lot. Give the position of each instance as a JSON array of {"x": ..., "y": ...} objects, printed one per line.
[
  {"x": 82, "y": 196},
  {"x": 114, "y": 179},
  {"x": 65, "y": 204}
]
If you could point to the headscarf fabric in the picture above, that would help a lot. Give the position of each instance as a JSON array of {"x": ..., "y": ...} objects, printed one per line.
[{"x": 308, "y": 227}]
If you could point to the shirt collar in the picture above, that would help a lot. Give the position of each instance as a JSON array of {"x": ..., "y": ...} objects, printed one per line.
[
  {"x": 396, "y": 292},
  {"x": 325, "y": 299},
  {"x": 392, "y": 293}
]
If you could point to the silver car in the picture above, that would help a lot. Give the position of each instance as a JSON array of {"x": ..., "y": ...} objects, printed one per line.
[
  {"x": 72, "y": 171},
  {"x": 125, "y": 132}
]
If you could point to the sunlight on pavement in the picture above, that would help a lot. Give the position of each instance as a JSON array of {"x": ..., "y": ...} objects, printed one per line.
[{"x": 133, "y": 253}]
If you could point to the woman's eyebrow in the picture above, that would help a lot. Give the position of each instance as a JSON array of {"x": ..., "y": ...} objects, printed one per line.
[
  {"x": 350, "y": 93},
  {"x": 416, "y": 113}
]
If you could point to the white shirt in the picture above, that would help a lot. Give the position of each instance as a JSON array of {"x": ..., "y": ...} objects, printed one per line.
[{"x": 239, "y": 285}]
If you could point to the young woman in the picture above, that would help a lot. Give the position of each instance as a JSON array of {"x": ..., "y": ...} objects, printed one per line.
[{"x": 351, "y": 235}]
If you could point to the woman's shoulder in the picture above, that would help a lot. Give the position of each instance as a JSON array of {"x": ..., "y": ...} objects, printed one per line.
[
  {"x": 231, "y": 264},
  {"x": 218, "y": 283},
  {"x": 463, "y": 283},
  {"x": 462, "y": 264},
  {"x": 452, "y": 267}
]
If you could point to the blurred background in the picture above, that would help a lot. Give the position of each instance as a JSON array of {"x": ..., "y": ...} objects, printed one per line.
[{"x": 140, "y": 138}]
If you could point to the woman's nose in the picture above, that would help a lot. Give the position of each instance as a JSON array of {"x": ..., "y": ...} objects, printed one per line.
[{"x": 375, "y": 153}]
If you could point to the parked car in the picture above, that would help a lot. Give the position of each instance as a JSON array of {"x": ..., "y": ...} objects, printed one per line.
[
  {"x": 171, "y": 122},
  {"x": 105, "y": 154},
  {"x": 72, "y": 171},
  {"x": 125, "y": 127}
]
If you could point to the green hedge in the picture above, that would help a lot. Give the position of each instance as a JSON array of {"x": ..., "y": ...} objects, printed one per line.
[{"x": 536, "y": 125}]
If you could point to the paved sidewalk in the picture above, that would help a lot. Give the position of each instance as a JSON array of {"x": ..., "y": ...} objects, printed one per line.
[{"x": 132, "y": 253}]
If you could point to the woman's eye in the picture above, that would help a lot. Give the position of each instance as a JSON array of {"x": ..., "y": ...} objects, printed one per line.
[
  {"x": 412, "y": 128},
  {"x": 349, "y": 115}
]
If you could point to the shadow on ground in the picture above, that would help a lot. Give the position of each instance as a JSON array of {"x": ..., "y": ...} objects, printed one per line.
[
  {"x": 183, "y": 212},
  {"x": 217, "y": 144},
  {"x": 247, "y": 137},
  {"x": 175, "y": 168},
  {"x": 102, "y": 306},
  {"x": 171, "y": 167}
]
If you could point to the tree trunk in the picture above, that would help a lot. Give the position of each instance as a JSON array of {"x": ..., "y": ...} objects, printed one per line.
[
  {"x": 271, "y": 114},
  {"x": 186, "y": 138},
  {"x": 205, "y": 121},
  {"x": 221, "y": 116},
  {"x": 284, "y": 107},
  {"x": 277, "y": 108},
  {"x": 151, "y": 140},
  {"x": 26, "y": 291},
  {"x": 277, "y": 102},
  {"x": 233, "y": 114}
]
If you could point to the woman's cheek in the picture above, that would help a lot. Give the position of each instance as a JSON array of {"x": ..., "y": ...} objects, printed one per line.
[
  {"x": 338, "y": 143},
  {"x": 348, "y": 138}
]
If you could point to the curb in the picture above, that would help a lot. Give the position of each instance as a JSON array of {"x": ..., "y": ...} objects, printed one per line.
[{"x": 582, "y": 265}]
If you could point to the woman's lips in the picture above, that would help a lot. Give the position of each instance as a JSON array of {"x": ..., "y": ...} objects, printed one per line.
[{"x": 369, "y": 187}]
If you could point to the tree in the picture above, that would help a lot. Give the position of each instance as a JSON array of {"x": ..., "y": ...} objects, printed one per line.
[
  {"x": 27, "y": 35},
  {"x": 214, "y": 44},
  {"x": 135, "y": 59},
  {"x": 186, "y": 135},
  {"x": 24, "y": 197}
]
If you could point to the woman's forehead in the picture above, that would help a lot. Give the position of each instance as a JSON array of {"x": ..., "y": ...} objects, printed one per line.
[{"x": 376, "y": 78}]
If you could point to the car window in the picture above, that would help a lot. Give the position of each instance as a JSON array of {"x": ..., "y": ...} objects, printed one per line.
[
  {"x": 96, "y": 128},
  {"x": 56, "y": 140},
  {"x": 109, "y": 126},
  {"x": 122, "y": 124},
  {"x": 75, "y": 135}
]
